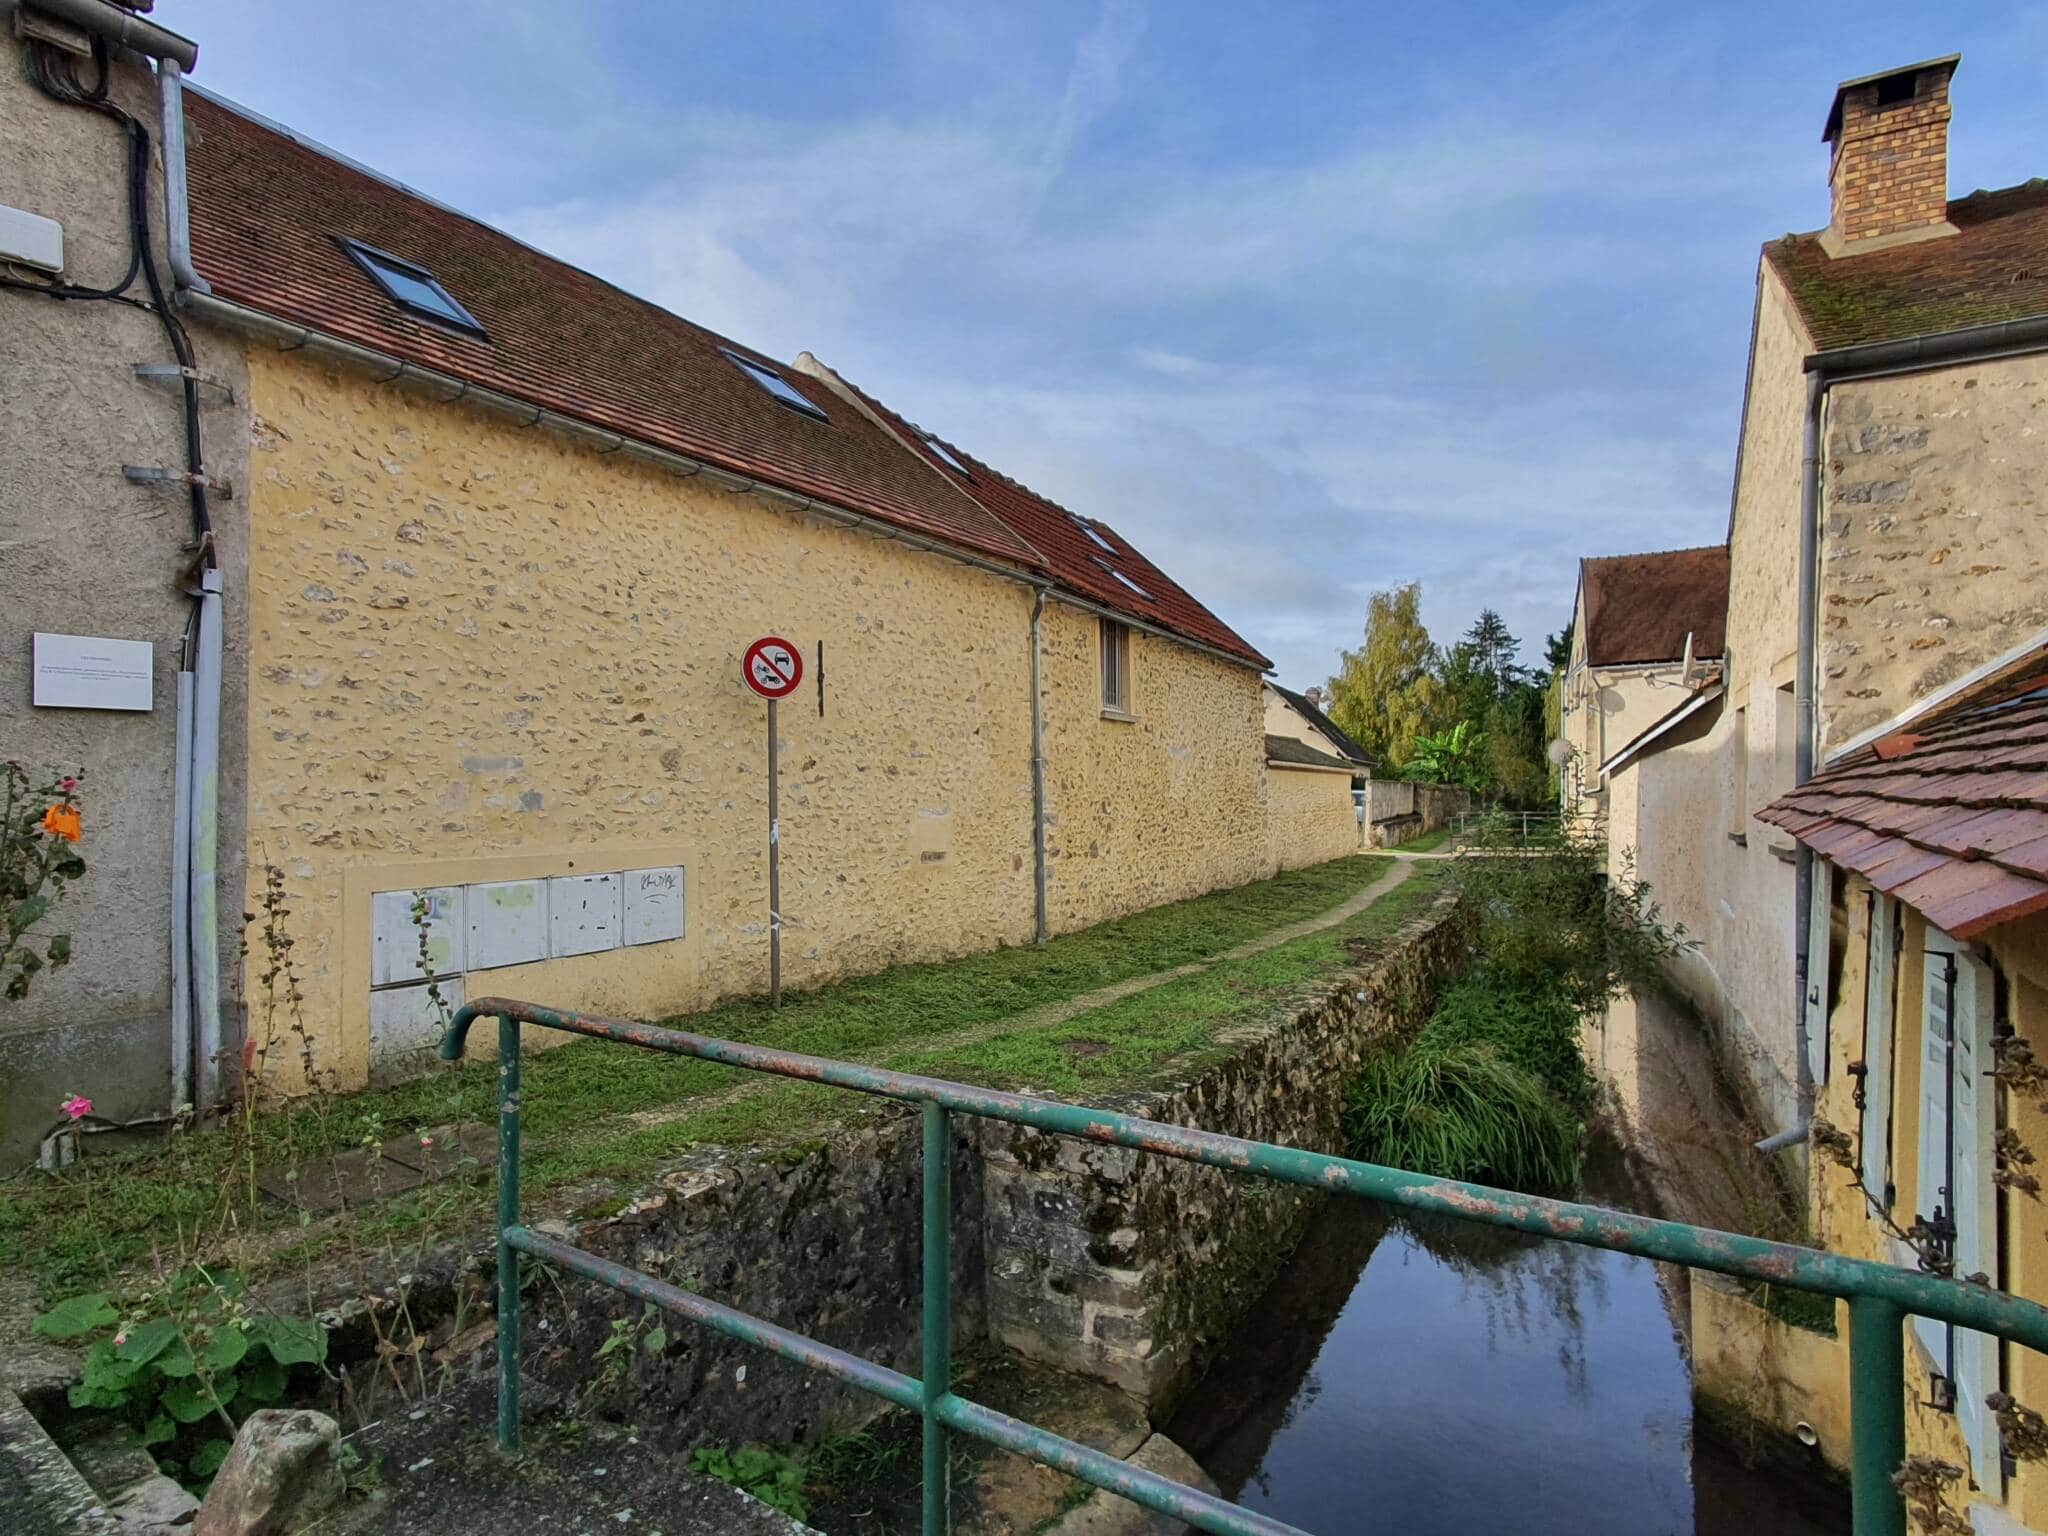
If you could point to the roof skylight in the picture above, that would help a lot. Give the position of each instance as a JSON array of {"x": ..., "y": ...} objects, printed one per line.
[
  {"x": 945, "y": 456},
  {"x": 775, "y": 384},
  {"x": 1120, "y": 576},
  {"x": 412, "y": 288},
  {"x": 1083, "y": 525}
]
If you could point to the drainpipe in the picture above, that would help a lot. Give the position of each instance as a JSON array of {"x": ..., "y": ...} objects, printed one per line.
[
  {"x": 1039, "y": 930},
  {"x": 1803, "y": 729},
  {"x": 204, "y": 792},
  {"x": 177, "y": 201},
  {"x": 181, "y": 895}
]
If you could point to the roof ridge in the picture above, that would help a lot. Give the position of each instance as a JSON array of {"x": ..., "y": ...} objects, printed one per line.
[{"x": 1649, "y": 554}]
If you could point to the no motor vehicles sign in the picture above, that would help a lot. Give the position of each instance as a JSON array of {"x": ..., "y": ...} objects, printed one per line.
[{"x": 772, "y": 667}]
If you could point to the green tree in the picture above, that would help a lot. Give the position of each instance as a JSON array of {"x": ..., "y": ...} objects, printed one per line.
[
  {"x": 1557, "y": 648},
  {"x": 1388, "y": 692},
  {"x": 1456, "y": 756}
]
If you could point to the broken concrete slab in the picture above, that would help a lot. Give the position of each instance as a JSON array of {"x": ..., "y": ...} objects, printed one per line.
[{"x": 40, "y": 1490}]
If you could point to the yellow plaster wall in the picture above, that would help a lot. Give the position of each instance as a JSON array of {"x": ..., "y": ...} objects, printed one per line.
[
  {"x": 481, "y": 653},
  {"x": 1157, "y": 808},
  {"x": 1310, "y": 816}
]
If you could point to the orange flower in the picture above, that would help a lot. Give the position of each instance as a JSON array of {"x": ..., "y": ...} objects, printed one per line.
[{"x": 63, "y": 821}]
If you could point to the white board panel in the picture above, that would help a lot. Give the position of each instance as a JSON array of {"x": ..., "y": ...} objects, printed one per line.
[
  {"x": 583, "y": 914},
  {"x": 405, "y": 1025},
  {"x": 654, "y": 904},
  {"x": 395, "y": 942},
  {"x": 91, "y": 672},
  {"x": 508, "y": 923}
]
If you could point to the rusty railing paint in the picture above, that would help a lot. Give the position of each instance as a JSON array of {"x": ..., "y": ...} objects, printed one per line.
[{"x": 1880, "y": 1295}]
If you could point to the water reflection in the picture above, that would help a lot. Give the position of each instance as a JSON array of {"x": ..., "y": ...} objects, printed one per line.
[{"x": 1418, "y": 1375}]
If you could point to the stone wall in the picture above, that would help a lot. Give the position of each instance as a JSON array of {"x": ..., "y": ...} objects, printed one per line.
[
  {"x": 482, "y": 655},
  {"x": 1310, "y": 816},
  {"x": 1397, "y": 810},
  {"x": 824, "y": 1238},
  {"x": 1132, "y": 1268},
  {"x": 1932, "y": 539}
]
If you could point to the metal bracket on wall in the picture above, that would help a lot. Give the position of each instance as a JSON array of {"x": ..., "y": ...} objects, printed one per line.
[
  {"x": 173, "y": 373},
  {"x": 152, "y": 474}
]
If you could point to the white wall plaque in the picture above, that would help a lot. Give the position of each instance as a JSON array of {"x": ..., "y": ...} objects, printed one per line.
[
  {"x": 654, "y": 904},
  {"x": 88, "y": 672}
]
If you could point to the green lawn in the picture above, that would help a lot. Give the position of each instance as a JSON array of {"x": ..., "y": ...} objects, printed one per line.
[
  {"x": 1429, "y": 842},
  {"x": 597, "y": 1111}
]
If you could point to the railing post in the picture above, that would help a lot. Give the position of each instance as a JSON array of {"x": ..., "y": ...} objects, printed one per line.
[
  {"x": 937, "y": 1325},
  {"x": 508, "y": 1216},
  {"x": 1877, "y": 1415}
]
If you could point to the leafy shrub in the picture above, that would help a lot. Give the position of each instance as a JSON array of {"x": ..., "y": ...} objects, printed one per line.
[
  {"x": 1462, "y": 1111},
  {"x": 773, "y": 1478},
  {"x": 180, "y": 1368},
  {"x": 1529, "y": 1023}
]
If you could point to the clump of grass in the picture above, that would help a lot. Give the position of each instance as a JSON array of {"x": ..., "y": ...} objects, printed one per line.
[
  {"x": 1531, "y": 1024},
  {"x": 1462, "y": 1111}
]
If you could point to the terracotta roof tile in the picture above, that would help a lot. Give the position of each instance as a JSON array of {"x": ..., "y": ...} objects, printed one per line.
[
  {"x": 1994, "y": 268},
  {"x": 1951, "y": 815},
  {"x": 1641, "y": 607},
  {"x": 268, "y": 217}
]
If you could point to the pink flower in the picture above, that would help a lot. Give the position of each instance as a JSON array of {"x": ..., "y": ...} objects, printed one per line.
[
  {"x": 78, "y": 1106},
  {"x": 426, "y": 1140},
  {"x": 120, "y": 1338},
  {"x": 68, "y": 786}
]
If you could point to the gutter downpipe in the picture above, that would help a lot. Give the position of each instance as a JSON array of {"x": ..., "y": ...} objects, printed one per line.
[
  {"x": 204, "y": 917},
  {"x": 181, "y": 897},
  {"x": 1039, "y": 927},
  {"x": 177, "y": 196},
  {"x": 1803, "y": 734}
]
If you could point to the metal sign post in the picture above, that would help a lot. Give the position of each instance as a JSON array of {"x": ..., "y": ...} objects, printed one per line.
[{"x": 773, "y": 667}]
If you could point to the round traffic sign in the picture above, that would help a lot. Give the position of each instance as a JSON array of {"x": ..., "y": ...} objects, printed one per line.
[{"x": 773, "y": 667}]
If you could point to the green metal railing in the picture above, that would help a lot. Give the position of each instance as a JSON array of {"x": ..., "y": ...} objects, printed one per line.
[{"x": 1880, "y": 1296}]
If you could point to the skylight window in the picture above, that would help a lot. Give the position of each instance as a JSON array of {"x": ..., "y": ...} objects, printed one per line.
[
  {"x": 945, "y": 456},
  {"x": 1100, "y": 541},
  {"x": 1120, "y": 576},
  {"x": 775, "y": 384},
  {"x": 412, "y": 288}
]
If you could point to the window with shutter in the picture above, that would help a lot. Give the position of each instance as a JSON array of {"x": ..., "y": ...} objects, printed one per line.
[
  {"x": 1881, "y": 977},
  {"x": 1955, "y": 1164}
]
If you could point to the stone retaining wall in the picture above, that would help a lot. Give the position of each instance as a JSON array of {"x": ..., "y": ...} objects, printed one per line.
[{"x": 1133, "y": 1268}]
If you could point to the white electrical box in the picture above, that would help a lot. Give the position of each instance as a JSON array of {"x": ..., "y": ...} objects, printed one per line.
[
  {"x": 508, "y": 923},
  {"x": 405, "y": 1026},
  {"x": 31, "y": 239},
  {"x": 395, "y": 940},
  {"x": 654, "y": 904},
  {"x": 583, "y": 914}
]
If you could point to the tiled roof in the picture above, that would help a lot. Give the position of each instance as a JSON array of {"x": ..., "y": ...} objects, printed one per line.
[
  {"x": 1323, "y": 723},
  {"x": 1641, "y": 607},
  {"x": 268, "y": 217},
  {"x": 1994, "y": 268},
  {"x": 1075, "y": 560},
  {"x": 1950, "y": 815},
  {"x": 1286, "y": 750}
]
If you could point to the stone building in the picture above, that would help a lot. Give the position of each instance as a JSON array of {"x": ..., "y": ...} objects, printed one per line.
[
  {"x": 1852, "y": 828},
  {"x": 486, "y": 540}
]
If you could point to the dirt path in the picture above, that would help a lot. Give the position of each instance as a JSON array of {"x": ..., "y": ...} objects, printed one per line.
[{"x": 1049, "y": 1014}]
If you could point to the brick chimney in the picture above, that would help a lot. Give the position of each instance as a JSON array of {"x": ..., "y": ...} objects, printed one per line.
[{"x": 1888, "y": 171}]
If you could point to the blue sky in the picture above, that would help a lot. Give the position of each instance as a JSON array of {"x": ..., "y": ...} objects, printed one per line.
[{"x": 1307, "y": 299}]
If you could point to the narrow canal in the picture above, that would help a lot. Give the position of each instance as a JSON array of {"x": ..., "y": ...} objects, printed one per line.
[{"x": 1417, "y": 1376}]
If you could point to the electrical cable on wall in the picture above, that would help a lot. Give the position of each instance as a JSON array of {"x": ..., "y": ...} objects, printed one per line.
[{"x": 55, "y": 76}]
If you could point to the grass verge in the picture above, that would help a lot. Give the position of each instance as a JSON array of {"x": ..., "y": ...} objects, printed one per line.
[
  {"x": 1429, "y": 842},
  {"x": 595, "y": 1111}
]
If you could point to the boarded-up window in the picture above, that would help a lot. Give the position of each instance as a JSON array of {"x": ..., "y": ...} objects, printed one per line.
[{"x": 1116, "y": 667}]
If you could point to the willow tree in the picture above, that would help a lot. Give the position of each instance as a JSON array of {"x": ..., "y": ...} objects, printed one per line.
[{"x": 1388, "y": 692}]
